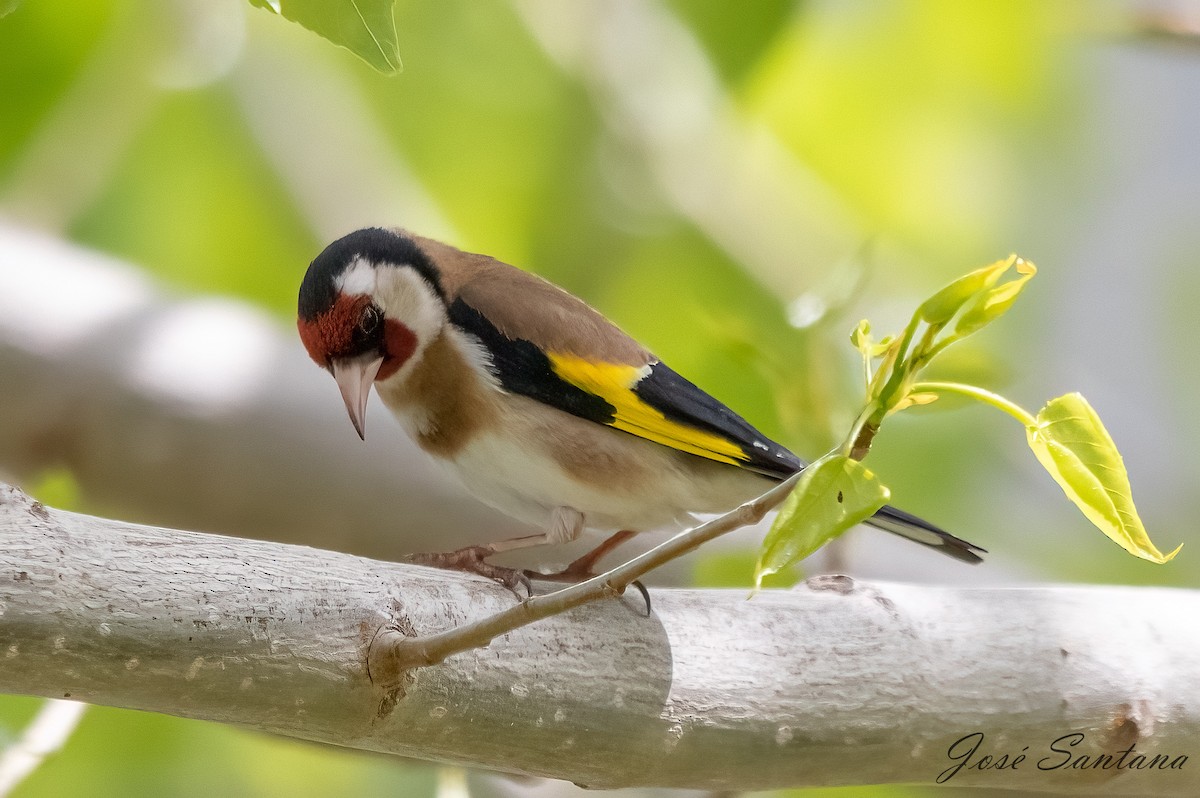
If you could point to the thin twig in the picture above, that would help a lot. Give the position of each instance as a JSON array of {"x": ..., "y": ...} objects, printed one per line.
[
  {"x": 395, "y": 653},
  {"x": 46, "y": 733}
]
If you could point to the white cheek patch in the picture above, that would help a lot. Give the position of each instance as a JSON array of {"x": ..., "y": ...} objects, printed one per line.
[
  {"x": 399, "y": 291},
  {"x": 358, "y": 278},
  {"x": 403, "y": 295},
  {"x": 406, "y": 297}
]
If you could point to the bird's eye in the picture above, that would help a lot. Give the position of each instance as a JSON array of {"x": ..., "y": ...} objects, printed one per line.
[{"x": 369, "y": 321}]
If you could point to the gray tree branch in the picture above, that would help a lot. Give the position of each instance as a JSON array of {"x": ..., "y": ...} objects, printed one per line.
[{"x": 836, "y": 682}]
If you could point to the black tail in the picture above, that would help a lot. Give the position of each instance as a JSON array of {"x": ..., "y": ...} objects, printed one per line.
[{"x": 909, "y": 526}]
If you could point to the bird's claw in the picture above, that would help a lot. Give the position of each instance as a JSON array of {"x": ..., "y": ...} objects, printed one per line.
[
  {"x": 473, "y": 560},
  {"x": 645, "y": 594}
]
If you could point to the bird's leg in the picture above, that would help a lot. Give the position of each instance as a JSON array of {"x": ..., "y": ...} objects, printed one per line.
[
  {"x": 585, "y": 567},
  {"x": 566, "y": 524}
]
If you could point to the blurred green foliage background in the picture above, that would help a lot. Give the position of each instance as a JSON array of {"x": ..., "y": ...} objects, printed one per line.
[{"x": 734, "y": 183}]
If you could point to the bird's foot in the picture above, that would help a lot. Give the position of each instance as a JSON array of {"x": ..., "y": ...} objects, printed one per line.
[
  {"x": 473, "y": 560},
  {"x": 578, "y": 571},
  {"x": 573, "y": 575},
  {"x": 584, "y": 568}
]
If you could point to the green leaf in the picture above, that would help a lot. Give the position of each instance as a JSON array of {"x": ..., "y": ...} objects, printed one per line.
[
  {"x": 942, "y": 306},
  {"x": 364, "y": 27},
  {"x": 1072, "y": 444},
  {"x": 8, "y": 6},
  {"x": 832, "y": 495},
  {"x": 996, "y": 301}
]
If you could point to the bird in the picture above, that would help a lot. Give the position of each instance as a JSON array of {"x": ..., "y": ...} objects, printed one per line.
[{"x": 545, "y": 410}]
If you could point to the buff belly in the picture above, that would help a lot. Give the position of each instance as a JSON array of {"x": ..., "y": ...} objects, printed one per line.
[{"x": 540, "y": 458}]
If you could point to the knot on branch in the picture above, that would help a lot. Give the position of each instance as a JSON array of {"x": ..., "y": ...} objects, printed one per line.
[
  {"x": 837, "y": 583},
  {"x": 1131, "y": 723},
  {"x": 385, "y": 665}
]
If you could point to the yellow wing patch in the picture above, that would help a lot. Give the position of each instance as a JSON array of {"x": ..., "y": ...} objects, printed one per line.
[{"x": 614, "y": 383}]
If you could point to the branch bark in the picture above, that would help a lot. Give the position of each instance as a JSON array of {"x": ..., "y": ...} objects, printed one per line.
[{"x": 837, "y": 682}]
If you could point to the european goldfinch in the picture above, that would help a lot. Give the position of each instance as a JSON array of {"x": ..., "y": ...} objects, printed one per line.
[{"x": 545, "y": 409}]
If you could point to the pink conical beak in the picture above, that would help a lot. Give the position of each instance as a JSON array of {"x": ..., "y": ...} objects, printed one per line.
[{"x": 354, "y": 378}]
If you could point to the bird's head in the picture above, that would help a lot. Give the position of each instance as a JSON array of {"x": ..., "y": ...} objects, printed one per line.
[{"x": 369, "y": 305}]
